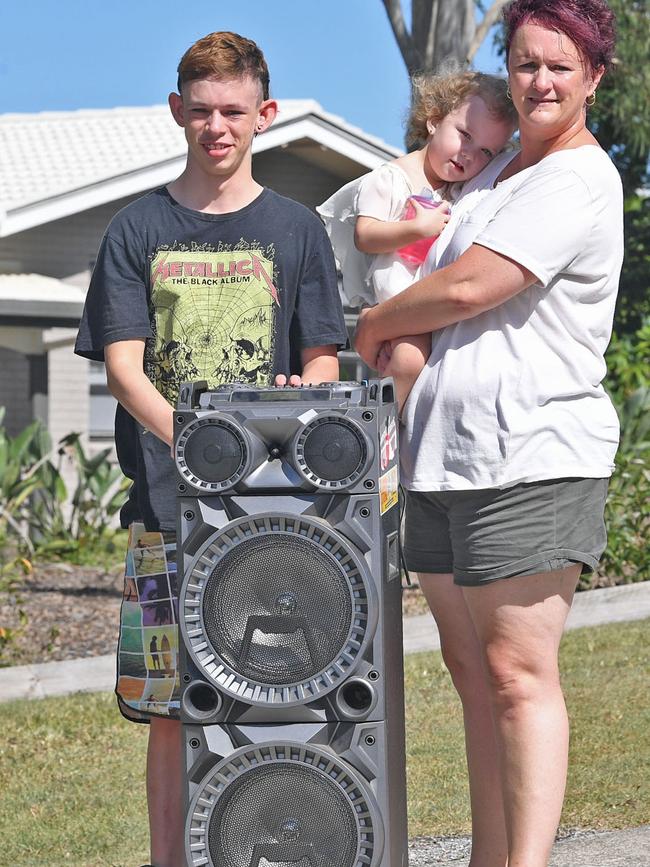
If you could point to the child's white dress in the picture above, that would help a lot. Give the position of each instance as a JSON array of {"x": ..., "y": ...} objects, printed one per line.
[{"x": 382, "y": 194}]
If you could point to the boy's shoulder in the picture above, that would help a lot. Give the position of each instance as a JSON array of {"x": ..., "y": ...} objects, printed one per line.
[
  {"x": 145, "y": 207},
  {"x": 290, "y": 208}
]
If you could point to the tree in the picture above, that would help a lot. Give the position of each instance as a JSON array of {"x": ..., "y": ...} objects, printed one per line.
[
  {"x": 620, "y": 120},
  {"x": 441, "y": 30}
]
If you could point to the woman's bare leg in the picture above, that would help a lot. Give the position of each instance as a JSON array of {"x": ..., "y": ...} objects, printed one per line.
[
  {"x": 519, "y": 623},
  {"x": 165, "y": 793},
  {"x": 464, "y": 658}
]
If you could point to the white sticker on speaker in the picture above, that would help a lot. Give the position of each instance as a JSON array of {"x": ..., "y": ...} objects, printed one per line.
[
  {"x": 388, "y": 490},
  {"x": 388, "y": 444}
]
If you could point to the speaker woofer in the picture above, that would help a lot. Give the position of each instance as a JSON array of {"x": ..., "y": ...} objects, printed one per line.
[
  {"x": 212, "y": 454},
  {"x": 331, "y": 452},
  {"x": 275, "y": 609},
  {"x": 277, "y": 804}
]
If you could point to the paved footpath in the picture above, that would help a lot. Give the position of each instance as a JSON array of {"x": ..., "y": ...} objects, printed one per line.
[
  {"x": 97, "y": 673},
  {"x": 629, "y": 848},
  {"x": 591, "y": 608}
]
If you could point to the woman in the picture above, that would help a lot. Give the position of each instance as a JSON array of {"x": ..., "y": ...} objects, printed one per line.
[{"x": 509, "y": 437}]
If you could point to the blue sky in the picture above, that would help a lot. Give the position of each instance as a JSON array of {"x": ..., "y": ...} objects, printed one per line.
[{"x": 97, "y": 54}]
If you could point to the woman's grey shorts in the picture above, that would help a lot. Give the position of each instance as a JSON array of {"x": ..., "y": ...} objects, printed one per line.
[{"x": 482, "y": 535}]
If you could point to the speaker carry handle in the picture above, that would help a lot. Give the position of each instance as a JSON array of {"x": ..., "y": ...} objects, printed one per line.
[
  {"x": 189, "y": 394},
  {"x": 387, "y": 391},
  {"x": 287, "y": 852},
  {"x": 276, "y": 624}
]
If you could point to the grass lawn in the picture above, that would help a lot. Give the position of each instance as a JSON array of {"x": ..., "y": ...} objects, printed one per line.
[
  {"x": 73, "y": 770},
  {"x": 605, "y": 676}
]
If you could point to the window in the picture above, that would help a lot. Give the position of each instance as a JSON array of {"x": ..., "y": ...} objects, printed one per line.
[{"x": 102, "y": 403}]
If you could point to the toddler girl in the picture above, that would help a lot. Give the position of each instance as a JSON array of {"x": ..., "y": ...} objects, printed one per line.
[{"x": 458, "y": 122}]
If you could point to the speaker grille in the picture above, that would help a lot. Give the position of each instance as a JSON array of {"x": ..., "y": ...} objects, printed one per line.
[
  {"x": 275, "y": 609},
  {"x": 332, "y": 452},
  {"x": 277, "y": 804},
  {"x": 212, "y": 454}
]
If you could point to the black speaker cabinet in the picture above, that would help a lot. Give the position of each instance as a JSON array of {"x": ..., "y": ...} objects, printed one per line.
[{"x": 290, "y": 620}]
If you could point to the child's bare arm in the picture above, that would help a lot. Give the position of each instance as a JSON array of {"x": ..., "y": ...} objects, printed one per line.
[{"x": 379, "y": 236}]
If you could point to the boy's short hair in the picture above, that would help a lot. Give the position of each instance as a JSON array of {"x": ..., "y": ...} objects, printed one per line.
[
  {"x": 435, "y": 96},
  {"x": 224, "y": 55}
]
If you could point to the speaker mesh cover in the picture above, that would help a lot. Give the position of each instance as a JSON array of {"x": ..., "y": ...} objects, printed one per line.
[
  {"x": 275, "y": 609},
  {"x": 212, "y": 454},
  {"x": 282, "y": 804},
  {"x": 332, "y": 452},
  {"x": 269, "y": 584}
]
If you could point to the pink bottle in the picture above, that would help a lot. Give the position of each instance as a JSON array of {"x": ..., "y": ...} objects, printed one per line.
[{"x": 416, "y": 253}]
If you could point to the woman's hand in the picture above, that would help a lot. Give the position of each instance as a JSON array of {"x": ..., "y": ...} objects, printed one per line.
[
  {"x": 366, "y": 344},
  {"x": 384, "y": 357}
]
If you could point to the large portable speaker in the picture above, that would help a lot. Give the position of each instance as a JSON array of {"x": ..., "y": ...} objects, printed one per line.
[{"x": 290, "y": 619}]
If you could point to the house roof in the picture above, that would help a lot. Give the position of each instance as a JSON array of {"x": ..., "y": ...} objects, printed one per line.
[
  {"x": 53, "y": 164},
  {"x": 38, "y": 299}
]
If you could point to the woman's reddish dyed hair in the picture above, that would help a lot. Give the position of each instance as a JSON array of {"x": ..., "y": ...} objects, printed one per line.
[{"x": 589, "y": 24}]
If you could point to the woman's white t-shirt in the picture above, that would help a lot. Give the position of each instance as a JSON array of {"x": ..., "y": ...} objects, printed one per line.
[{"x": 514, "y": 394}]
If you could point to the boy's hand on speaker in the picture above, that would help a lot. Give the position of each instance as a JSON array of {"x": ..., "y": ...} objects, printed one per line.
[{"x": 281, "y": 379}]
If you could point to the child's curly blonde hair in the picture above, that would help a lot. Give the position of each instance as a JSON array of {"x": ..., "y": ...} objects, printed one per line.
[{"x": 434, "y": 96}]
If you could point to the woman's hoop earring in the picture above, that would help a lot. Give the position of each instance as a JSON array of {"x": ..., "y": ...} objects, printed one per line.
[
  {"x": 591, "y": 99},
  {"x": 508, "y": 94}
]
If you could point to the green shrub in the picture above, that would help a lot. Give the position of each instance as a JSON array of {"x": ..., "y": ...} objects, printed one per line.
[
  {"x": 36, "y": 512},
  {"x": 37, "y": 517},
  {"x": 627, "y": 514},
  {"x": 628, "y": 364},
  {"x": 627, "y": 557}
]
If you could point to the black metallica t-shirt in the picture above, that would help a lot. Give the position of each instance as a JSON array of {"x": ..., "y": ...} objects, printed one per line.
[{"x": 221, "y": 297}]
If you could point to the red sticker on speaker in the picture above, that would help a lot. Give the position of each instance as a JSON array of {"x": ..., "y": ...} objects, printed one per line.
[{"x": 388, "y": 444}]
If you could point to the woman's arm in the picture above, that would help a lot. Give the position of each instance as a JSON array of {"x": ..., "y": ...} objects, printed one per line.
[{"x": 477, "y": 281}]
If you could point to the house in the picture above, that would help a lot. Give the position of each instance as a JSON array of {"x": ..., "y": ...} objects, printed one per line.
[{"x": 63, "y": 175}]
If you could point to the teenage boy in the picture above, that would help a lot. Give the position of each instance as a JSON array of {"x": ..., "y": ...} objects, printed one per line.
[{"x": 212, "y": 277}]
